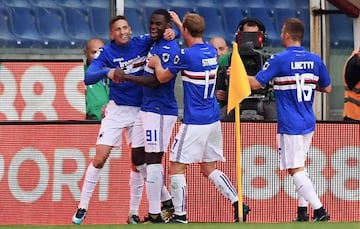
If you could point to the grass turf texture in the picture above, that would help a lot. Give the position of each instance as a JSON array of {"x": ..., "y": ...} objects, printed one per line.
[{"x": 318, "y": 225}]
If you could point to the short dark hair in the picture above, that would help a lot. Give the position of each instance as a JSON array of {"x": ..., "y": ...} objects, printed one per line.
[
  {"x": 163, "y": 12},
  {"x": 251, "y": 22},
  {"x": 116, "y": 18}
]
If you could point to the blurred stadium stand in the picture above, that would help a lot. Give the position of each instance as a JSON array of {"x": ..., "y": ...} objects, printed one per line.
[
  {"x": 304, "y": 15},
  {"x": 99, "y": 22},
  {"x": 51, "y": 27},
  {"x": 255, "y": 4},
  {"x": 16, "y": 3},
  {"x": 146, "y": 3},
  {"x": 280, "y": 15},
  {"x": 208, "y": 3},
  {"x": 175, "y": 2},
  {"x": 7, "y": 39},
  {"x": 182, "y": 10},
  {"x": 24, "y": 26},
  {"x": 70, "y": 3},
  {"x": 135, "y": 17},
  {"x": 44, "y": 3},
  {"x": 96, "y": 3},
  {"x": 266, "y": 16},
  {"x": 213, "y": 21},
  {"x": 77, "y": 25},
  {"x": 341, "y": 30},
  {"x": 282, "y": 4},
  {"x": 56, "y": 24},
  {"x": 233, "y": 14}
]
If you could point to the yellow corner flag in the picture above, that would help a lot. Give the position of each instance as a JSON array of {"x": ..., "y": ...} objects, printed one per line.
[{"x": 239, "y": 86}]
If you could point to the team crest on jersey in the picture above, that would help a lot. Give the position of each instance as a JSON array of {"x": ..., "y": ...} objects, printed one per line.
[
  {"x": 176, "y": 59},
  {"x": 165, "y": 57},
  {"x": 97, "y": 54},
  {"x": 266, "y": 66}
]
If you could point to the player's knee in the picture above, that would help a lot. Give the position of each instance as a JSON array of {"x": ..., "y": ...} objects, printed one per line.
[
  {"x": 177, "y": 168},
  {"x": 204, "y": 172},
  {"x": 206, "y": 169},
  {"x": 99, "y": 162},
  {"x": 295, "y": 170},
  {"x": 138, "y": 156},
  {"x": 102, "y": 154},
  {"x": 154, "y": 158}
]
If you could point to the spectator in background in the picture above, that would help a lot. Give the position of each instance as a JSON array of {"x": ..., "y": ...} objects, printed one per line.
[
  {"x": 220, "y": 45},
  {"x": 297, "y": 73},
  {"x": 352, "y": 88},
  {"x": 96, "y": 95}
]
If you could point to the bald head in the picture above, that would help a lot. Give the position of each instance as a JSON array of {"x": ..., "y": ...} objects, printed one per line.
[
  {"x": 91, "y": 48},
  {"x": 220, "y": 44}
]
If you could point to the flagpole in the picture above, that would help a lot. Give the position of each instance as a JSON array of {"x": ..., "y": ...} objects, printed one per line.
[
  {"x": 239, "y": 88},
  {"x": 238, "y": 162}
]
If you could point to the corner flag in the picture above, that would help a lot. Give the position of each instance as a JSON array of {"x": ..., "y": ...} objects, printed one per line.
[{"x": 239, "y": 86}]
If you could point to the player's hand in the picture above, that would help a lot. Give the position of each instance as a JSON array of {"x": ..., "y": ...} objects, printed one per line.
[
  {"x": 103, "y": 110},
  {"x": 220, "y": 95},
  {"x": 119, "y": 75},
  {"x": 175, "y": 18},
  {"x": 169, "y": 34},
  {"x": 153, "y": 61}
]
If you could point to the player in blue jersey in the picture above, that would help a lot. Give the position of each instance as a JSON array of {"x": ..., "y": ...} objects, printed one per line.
[
  {"x": 122, "y": 111},
  {"x": 159, "y": 111},
  {"x": 199, "y": 138},
  {"x": 296, "y": 74}
]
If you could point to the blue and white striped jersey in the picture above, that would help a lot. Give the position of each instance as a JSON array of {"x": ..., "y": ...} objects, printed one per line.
[
  {"x": 198, "y": 66},
  {"x": 295, "y": 73},
  {"x": 131, "y": 58},
  {"x": 162, "y": 99}
]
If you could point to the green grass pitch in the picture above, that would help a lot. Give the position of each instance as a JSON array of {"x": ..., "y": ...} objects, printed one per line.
[{"x": 318, "y": 225}]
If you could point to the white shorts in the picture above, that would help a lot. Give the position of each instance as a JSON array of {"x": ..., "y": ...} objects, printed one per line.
[
  {"x": 293, "y": 150},
  {"x": 157, "y": 131},
  {"x": 198, "y": 143},
  {"x": 118, "y": 118}
]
